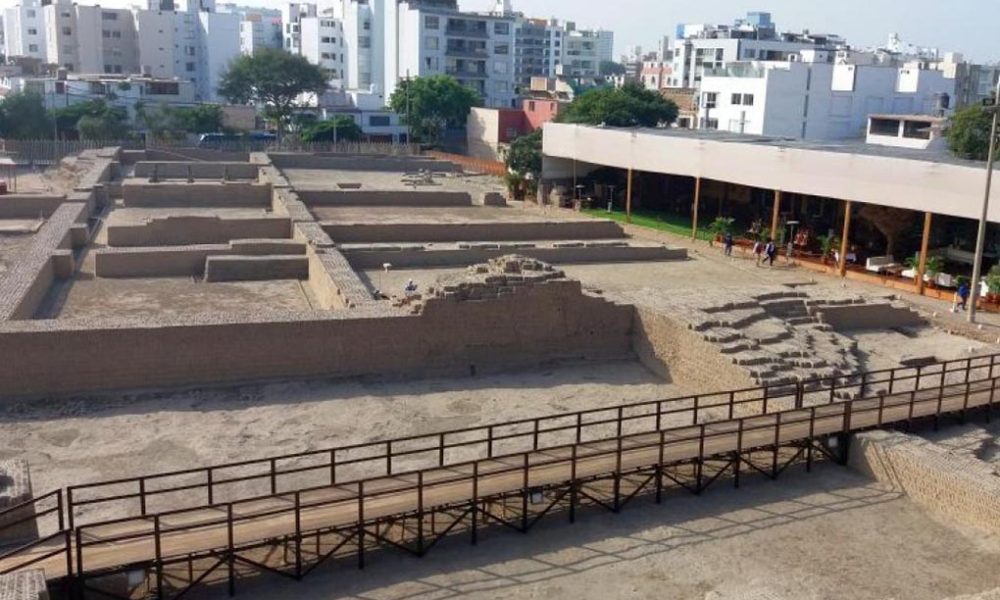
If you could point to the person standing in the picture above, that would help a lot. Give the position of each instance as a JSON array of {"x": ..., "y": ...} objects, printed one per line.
[
  {"x": 770, "y": 250},
  {"x": 962, "y": 301},
  {"x": 728, "y": 243}
]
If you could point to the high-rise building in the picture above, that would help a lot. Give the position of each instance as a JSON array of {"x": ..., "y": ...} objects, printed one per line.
[
  {"x": 259, "y": 27},
  {"x": 91, "y": 39},
  {"x": 24, "y": 30}
]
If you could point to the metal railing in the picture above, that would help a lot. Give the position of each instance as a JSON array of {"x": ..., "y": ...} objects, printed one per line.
[
  {"x": 204, "y": 486},
  {"x": 10, "y": 519}
]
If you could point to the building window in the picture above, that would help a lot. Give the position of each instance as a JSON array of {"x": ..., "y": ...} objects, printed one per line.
[
  {"x": 67, "y": 31},
  {"x": 189, "y": 67},
  {"x": 500, "y": 86},
  {"x": 431, "y": 42},
  {"x": 31, "y": 14},
  {"x": 431, "y": 22},
  {"x": 116, "y": 35},
  {"x": 711, "y": 99},
  {"x": 106, "y": 34},
  {"x": 109, "y": 16},
  {"x": 379, "y": 121},
  {"x": 500, "y": 67},
  {"x": 747, "y": 99},
  {"x": 531, "y": 105},
  {"x": 737, "y": 99},
  {"x": 32, "y": 31},
  {"x": 711, "y": 123},
  {"x": 501, "y": 28},
  {"x": 367, "y": 25},
  {"x": 326, "y": 55},
  {"x": 501, "y": 49},
  {"x": 364, "y": 42},
  {"x": 432, "y": 63},
  {"x": 32, "y": 47},
  {"x": 163, "y": 88}
]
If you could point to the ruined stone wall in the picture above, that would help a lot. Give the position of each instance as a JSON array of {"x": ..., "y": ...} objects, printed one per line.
[
  {"x": 414, "y": 198},
  {"x": 24, "y": 585},
  {"x": 182, "y": 261},
  {"x": 256, "y": 268},
  {"x": 869, "y": 316},
  {"x": 538, "y": 323},
  {"x": 139, "y": 193},
  {"x": 419, "y": 256},
  {"x": 196, "y": 170},
  {"x": 347, "y": 233},
  {"x": 199, "y": 154},
  {"x": 957, "y": 487},
  {"x": 28, "y": 206},
  {"x": 184, "y": 230},
  {"x": 357, "y": 162}
]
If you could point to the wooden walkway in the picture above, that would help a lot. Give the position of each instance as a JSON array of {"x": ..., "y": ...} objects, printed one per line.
[{"x": 159, "y": 538}]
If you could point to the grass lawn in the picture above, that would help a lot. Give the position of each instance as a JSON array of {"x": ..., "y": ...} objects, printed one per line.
[{"x": 676, "y": 224}]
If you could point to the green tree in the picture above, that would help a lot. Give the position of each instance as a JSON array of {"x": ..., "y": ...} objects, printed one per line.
[
  {"x": 340, "y": 128},
  {"x": 429, "y": 105},
  {"x": 23, "y": 116},
  {"x": 627, "y": 106},
  {"x": 274, "y": 80},
  {"x": 110, "y": 125},
  {"x": 525, "y": 155},
  {"x": 969, "y": 133},
  {"x": 108, "y": 118},
  {"x": 201, "y": 118},
  {"x": 610, "y": 67}
]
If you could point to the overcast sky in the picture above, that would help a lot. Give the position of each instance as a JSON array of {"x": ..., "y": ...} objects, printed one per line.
[{"x": 968, "y": 26}]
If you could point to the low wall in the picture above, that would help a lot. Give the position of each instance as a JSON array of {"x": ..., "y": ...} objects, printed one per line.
[
  {"x": 197, "y": 170},
  {"x": 198, "y": 154},
  {"x": 28, "y": 206},
  {"x": 184, "y": 230},
  {"x": 139, "y": 193},
  {"x": 15, "y": 489},
  {"x": 256, "y": 268},
  {"x": 535, "y": 324},
  {"x": 384, "y": 198},
  {"x": 24, "y": 585},
  {"x": 951, "y": 485},
  {"x": 667, "y": 347},
  {"x": 360, "y": 163},
  {"x": 182, "y": 261},
  {"x": 485, "y": 231},
  {"x": 869, "y": 316},
  {"x": 373, "y": 259},
  {"x": 29, "y": 279}
]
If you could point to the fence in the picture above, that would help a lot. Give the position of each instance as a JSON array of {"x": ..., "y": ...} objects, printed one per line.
[{"x": 469, "y": 163}]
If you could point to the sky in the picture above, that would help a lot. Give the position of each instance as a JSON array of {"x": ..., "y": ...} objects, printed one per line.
[{"x": 971, "y": 27}]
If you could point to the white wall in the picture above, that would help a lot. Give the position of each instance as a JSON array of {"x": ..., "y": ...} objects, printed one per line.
[
  {"x": 220, "y": 45},
  {"x": 156, "y": 42}
]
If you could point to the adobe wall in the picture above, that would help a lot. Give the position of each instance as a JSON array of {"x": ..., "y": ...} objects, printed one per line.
[
  {"x": 29, "y": 279},
  {"x": 256, "y": 268},
  {"x": 535, "y": 324},
  {"x": 952, "y": 485},
  {"x": 139, "y": 193},
  {"x": 182, "y": 261},
  {"x": 184, "y": 230},
  {"x": 869, "y": 316},
  {"x": 486, "y": 231},
  {"x": 355, "y": 162},
  {"x": 375, "y": 258},
  {"x": 197, "y": 170},
  {"x": 384, "y": 198},
  {"x": 28, "y": 206},
  {"x": 199, "y": 154}
]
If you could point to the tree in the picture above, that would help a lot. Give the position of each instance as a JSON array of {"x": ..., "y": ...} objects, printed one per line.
[
  {"x": 969, "y": 133},
  {"x": 201, "y": 118},
  {"x": 340, "y": 129},
  {"x": 627, "y": 106},
  {"x": 274, "y": 80},
  {"x": 610, "y": 67},
  {"x": 525, "y": 155},
  {"x": 429, "y": 105},
  {"x": 102, "y": 121},
  {"x": 107, "y": 126},
  {"x": 23, "y": 116}
]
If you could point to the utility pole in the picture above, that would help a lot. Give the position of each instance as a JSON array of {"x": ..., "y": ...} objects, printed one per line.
[{"x": 977, "y": 265}]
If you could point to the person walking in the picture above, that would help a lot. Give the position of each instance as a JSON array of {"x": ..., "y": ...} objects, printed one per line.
[
  {"x": 962, "y": 296},
  {"x": 728, "y": 243},
  {"x": 770, "y": 251},
  {"x": 758, "y": 250}
]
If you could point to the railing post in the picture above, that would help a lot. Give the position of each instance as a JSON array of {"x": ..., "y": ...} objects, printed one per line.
[
  {"x": 697, "y": 408},
  {"x": 920, "y": 370},
  {"x": 701, "y": 460},
  {"x": 892, "y": 380},
  {"x": 59, "y": 510},
  {"x": 777, "y": 440},
  {"x": 420, "y": 513},
  {"x": 79, "y": 561},
  {"x": 524, "y": 496},
  {"x": 274, "y": 476},
  {"x": 142, "y": 496},
  {"x": 659, "y": 467},
  {"x": 618, "y": 431},
  {"x": 69, "y": 507},
  {"x": 361, "y": 524},
  {"x": 475, "y": 501},
  {"x": 388, "y": 457},
  {"x": 618, "y": 475},
  {"x": 767, "y": 393},
  {"x": 159, "y": 557},
  {"x": 989, "y": 405},
  {"x": 68, "y": 543},
  {"x": 572, "y": 485},
  {"x": 659, "y": 414},
  {"x": 230, "y": 558},
  {"x": 732, "y": 404},
  {"x": 489, "y": 442},
  {"x": 940, "y": 400},
  {"x": 534, "y": 440},
  {"x": 298, "y": 535},
  {"x": 965, "y": 401},
  {"x": 812, "y": 436},
  {"x": 579, "y": 427},
  {"x": 881, "y": 408},
  {"x": 833, "y": 389},
  {"x": 211, "y": 492},
  {"x": 441, "y": 450},
  {"x": 739, "y": 454}
]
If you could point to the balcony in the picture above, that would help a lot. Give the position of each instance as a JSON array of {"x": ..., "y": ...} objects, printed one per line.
[
  {"x": 466, "y": 73},
  {"x": 467, "y": 32},
  {"x": 465, "y": 52}
]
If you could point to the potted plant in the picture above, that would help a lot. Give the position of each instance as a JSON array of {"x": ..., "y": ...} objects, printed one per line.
[
  {"x": 719, "y": 228},
  {"x": 993, "y": 285},
  {"x": 931, "y": 268},
  {"x": 826, "y": 243}
]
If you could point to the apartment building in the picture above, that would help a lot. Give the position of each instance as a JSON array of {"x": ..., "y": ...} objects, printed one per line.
[
  {"x": 291, "y": 15},
  {"x": 814, "y": 99},
  {"x": 156, "y": 38},
  {"x": 538, "y": 49},
  {"x": 584, "y": 50},
  {"x": 701, "y": 47},
  {"x": 118, "y": 90},
  {"x": 91, "y": 39},
  {"x": 322, "y": 43},
  {"x": 259, "y": 27},
  {"x": 24, "y": 30}
]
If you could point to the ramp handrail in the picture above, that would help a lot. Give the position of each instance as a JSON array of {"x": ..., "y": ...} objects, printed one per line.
[{"x": 522, "y": 434}]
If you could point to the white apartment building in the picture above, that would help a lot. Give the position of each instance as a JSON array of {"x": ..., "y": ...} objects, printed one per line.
[
  {"x": 156, "y": 38},
  {"x": 219, "y": 45},
  {"x": 700, "y": 47},
  {"x": 322, "y": 43},
  {"x": 584, "y": 50},
  {"x": 291, "y": 15},
  {"x": 122, "y": 91},
  {"x": 259, "y": 27},
  {"x": 814, "y": 100},
  {"x": 91, "y": 39},
  {"x": 538, "y": 49},
  {"x": 24, "y": 30}
]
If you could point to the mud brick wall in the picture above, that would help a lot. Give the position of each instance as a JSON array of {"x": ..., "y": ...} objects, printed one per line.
[
  {"x": 869, "y": 316},
  {"x": 182, "y": 261},
  {"x": 182, "y": 154},
  {"x": 425, "y": 198},
  {"x": 28, "y": 206},
  {"x": 486, "y": 231},
  {"x": 402, "y": 256},
  {"x": 256, "y": 268},
  {"x": 15, "y": 489},
  {"x": 356, "y": 162},
  {"x": 197, "y": 170},
  {"x": 140, "y": 193},
  {"x": 670, "y": 349},
  {"x": 24, "y": 585},
  {"x": 955, "y": 486},
  {"x": 25, "y": 285},
  {"x": 183, "y": 230},
  {"x": 536, "y": 324}
]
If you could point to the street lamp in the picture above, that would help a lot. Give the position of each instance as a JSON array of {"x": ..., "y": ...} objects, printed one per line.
[{"x": 977, "y": 266}]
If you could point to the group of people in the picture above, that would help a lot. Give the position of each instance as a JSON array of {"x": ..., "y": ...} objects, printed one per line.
[{"x": 764, "y": 252}]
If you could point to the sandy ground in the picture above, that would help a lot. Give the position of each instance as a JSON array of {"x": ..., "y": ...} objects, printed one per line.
[
  {"x": 826, "y": 535},
  {"x": 92, "y": 438},
  {"x": 129, "y": 216},
  {"x": 426, "y": 214},
  {"x": 11, "y": 248},
  {"x": 320, "y": 179}
]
